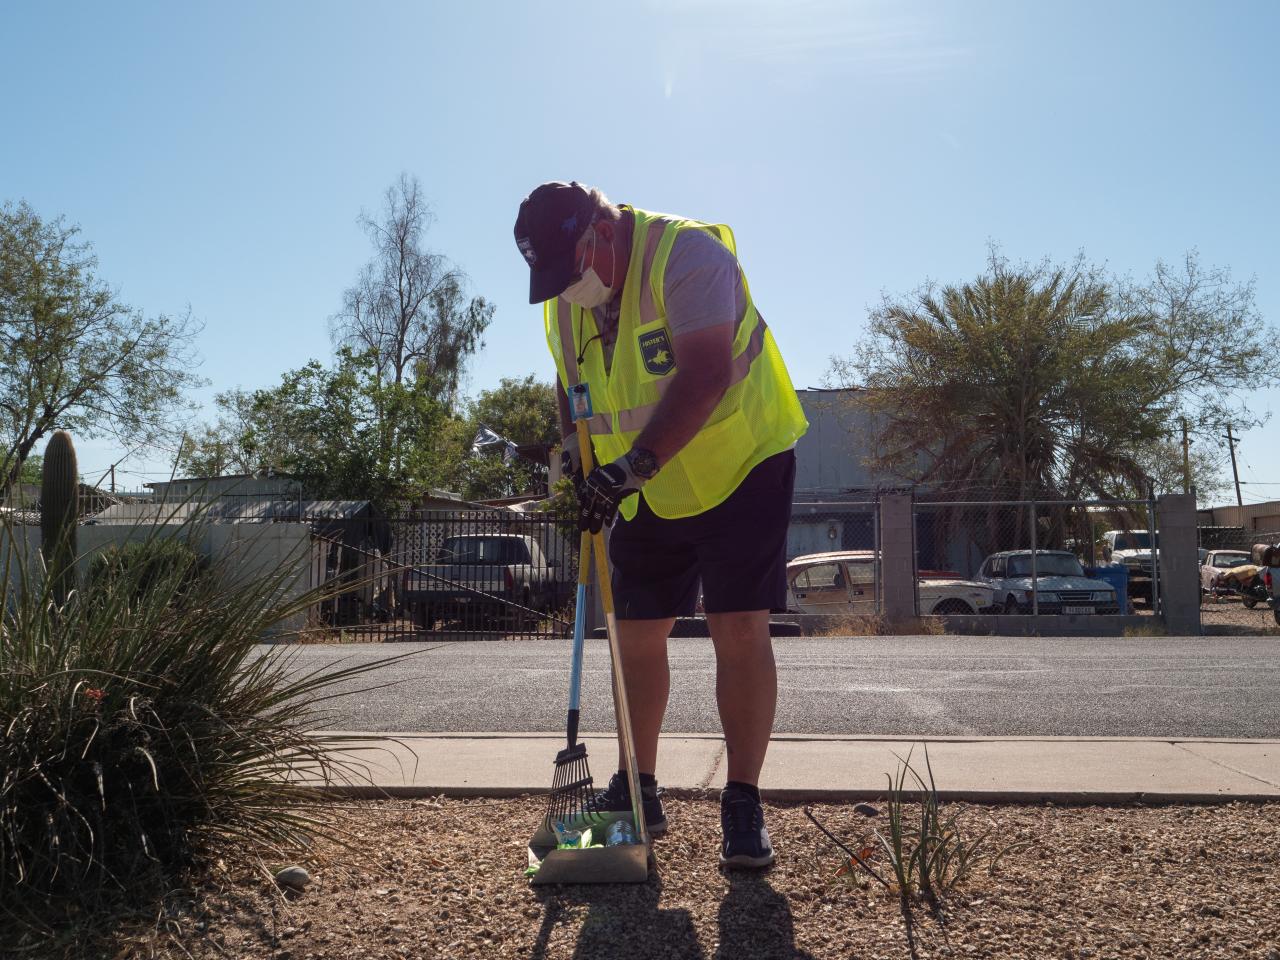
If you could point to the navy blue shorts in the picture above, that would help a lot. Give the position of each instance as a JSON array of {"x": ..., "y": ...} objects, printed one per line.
[{"x": 738, "y": 550}]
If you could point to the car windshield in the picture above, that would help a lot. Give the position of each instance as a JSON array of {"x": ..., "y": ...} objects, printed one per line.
[
  {"x": 1230, "y": 560},
  {"x": 1047, "y": 565},
  {"x": 1133, "y": 541},
  {"x": 484, "y": 550}
]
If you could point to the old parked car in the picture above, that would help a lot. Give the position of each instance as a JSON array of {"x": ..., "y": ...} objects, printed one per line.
[
  {"x": 843, "y": 582},
  {"x": 1061, "y": 586},
  {"x": 1215, "y": 564},
  {"x": 477, "y": 578}
]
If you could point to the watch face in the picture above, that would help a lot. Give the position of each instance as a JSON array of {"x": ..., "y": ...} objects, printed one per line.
[{"x": 643, "y": 462}]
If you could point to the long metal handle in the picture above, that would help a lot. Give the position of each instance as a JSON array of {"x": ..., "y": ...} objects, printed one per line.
[
  {"x": 621, "y": 707},
  {"x": 579, "y": 631}
]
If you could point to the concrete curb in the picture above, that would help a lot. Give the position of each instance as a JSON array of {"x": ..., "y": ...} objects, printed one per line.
[{"x": 1005, "y": 770}]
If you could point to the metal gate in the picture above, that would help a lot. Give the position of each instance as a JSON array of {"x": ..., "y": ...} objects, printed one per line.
[{"x": 434, "y": 575}]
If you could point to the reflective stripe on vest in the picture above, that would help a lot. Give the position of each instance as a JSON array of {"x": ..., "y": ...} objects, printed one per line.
[{"x": 636, "y": 419}]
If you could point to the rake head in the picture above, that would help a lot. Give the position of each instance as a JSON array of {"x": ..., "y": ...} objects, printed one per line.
[{"x": 571, "y": 787}]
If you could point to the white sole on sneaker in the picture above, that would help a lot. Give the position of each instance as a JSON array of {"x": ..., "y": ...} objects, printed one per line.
[{"x": 742, "y": 861}]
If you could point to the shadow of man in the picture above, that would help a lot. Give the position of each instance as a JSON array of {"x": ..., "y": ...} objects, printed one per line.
[
  {"x": 755, "y": 921},
  {"x": 623, "y": 922}
]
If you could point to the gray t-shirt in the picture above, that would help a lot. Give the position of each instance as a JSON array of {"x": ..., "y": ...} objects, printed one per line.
[{"x": 702, "y": 288}]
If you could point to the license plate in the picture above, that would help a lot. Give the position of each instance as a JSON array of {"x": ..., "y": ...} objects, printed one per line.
[{"x": 1077, "y": 609}]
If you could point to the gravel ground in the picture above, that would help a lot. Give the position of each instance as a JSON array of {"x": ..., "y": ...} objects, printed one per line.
[
  {"x": 442, "y": 878},
  {"x": 1231, "y": 614}
]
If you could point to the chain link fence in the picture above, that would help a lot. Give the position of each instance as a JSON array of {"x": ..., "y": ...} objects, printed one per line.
[
  {"x": 1036, "y": 557},
  {"x": 1233, "y": 594},
  {"x": 833, "y": 567}
]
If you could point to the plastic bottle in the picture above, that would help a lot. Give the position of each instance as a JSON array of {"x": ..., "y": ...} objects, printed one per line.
[{"x": 620, "y": 832}]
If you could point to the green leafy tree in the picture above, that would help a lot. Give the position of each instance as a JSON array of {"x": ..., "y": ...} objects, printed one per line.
[
  {"x": 341, "y": 430},
  {"x": 1056, "y": 381},
  {"x": 75, "y": 357},
  {"x": 229, "y": 446},
  {"x": 32, "y": 469},
  {"x": 522, "y": 411}
]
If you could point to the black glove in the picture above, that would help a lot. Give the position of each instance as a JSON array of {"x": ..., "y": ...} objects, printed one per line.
[{"x": 603, "y": 490}]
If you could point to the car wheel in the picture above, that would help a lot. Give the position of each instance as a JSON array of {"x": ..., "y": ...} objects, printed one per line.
[
  {"x": 1250, "y": 602},
  {"x": 952, "y": 608},
  {"x": 1010, "y": 604}
]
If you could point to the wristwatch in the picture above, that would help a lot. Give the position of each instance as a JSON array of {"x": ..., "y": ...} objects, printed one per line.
[{"x": 643, "y": 463}]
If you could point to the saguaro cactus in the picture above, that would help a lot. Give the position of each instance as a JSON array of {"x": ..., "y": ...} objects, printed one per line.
[{"x": 59, "y": 509}]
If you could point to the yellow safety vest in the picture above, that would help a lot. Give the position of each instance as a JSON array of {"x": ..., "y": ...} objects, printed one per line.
[{"x": 759, "y": 415}]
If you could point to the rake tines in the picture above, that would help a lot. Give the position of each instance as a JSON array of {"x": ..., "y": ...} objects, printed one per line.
[{"x": 571, "y": 787}]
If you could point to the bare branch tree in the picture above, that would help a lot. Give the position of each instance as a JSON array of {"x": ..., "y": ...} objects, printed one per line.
[{"x": 409, "y": 305}]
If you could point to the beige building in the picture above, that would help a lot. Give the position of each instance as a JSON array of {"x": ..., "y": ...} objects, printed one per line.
[{"x": 1252, "y": 517}]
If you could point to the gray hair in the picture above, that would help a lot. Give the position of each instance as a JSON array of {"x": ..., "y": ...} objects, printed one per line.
[{"x": 602, "y": 208}]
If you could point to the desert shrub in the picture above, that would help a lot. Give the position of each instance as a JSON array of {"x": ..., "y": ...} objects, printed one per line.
[
  {"x": 142, "y": 730},
  {"x": 142, "y": 567}
]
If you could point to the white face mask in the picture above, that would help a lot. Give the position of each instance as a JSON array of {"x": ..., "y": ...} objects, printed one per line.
[{"x": 589, "y": 291}]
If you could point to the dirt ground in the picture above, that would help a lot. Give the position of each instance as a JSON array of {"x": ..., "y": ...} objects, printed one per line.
[
  {"x": 442, "y": 878},
  {"x": 1230, "y": 615}
]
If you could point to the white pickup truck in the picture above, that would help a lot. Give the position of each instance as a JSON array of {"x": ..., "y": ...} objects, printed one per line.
[
  {"x": 480, "y": 579},
  {"x": 1133, "y": 550}
]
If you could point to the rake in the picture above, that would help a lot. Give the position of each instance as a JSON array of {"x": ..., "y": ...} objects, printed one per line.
[{"x": 571, "y": 787}]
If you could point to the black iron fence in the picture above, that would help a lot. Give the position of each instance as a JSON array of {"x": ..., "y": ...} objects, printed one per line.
[{"x": 456, "y": 574}]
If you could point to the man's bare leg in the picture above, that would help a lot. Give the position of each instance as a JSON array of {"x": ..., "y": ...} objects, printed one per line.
[
  {"x": 644, "y": 665},
  {"x": 746, "y": 688}
]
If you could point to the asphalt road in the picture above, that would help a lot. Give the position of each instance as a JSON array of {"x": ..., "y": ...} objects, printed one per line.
[{"x": 982, "y": 686}]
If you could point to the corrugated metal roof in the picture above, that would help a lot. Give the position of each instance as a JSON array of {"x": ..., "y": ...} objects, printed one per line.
[{"x": 255, "y": 510}]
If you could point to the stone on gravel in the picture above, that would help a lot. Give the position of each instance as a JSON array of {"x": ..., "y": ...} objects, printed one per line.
[{"x": 295, "y": 878}]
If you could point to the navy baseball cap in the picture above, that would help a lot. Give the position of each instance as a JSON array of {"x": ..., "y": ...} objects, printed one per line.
[{"x": 551, "y": 220}]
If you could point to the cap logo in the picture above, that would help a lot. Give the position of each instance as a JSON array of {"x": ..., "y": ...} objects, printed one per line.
[
  {"x": 526, "y": 248},
  {"x": 570, "y": 226}
]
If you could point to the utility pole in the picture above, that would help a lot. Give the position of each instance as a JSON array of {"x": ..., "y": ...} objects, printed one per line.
[
  {"x": 1186, "y": 458},
  {"x": 1231, "y": 442},
  {"x": 113, "y": 478}
]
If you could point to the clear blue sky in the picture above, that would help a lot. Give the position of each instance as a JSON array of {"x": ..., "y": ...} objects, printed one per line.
[{"x": 217, "y": 155}]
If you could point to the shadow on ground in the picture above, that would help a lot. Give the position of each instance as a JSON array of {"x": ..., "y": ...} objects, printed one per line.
[{"x": 627, "y": 921}]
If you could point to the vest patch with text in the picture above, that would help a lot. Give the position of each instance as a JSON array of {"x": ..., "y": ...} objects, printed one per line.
[{"x": 655, "y": 351}]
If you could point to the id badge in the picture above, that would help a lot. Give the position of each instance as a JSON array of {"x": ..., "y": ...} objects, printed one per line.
[{"x": 580, "y": 402}]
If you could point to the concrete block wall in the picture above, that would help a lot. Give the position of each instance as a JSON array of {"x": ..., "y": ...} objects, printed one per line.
[
  {"x": 897, "y": 557},
  {"x": 243, "y": 550},
  {"x": 249, "y": 551},
  {"x": 1179, "y": 564}
]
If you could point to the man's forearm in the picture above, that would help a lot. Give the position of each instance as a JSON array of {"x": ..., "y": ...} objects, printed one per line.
[{"x": 681, "y": 413}]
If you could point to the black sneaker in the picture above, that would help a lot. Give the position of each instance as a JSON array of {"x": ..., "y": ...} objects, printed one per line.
[
  {"x": 746, "y": 841},
  {"x": 617, "y": 797}
]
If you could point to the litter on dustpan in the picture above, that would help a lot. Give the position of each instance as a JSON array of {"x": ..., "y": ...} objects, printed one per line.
[{"x": 620, "y": 833}]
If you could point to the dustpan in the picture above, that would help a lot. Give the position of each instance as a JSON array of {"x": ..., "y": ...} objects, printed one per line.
[{"x": 625, "y": 863}]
